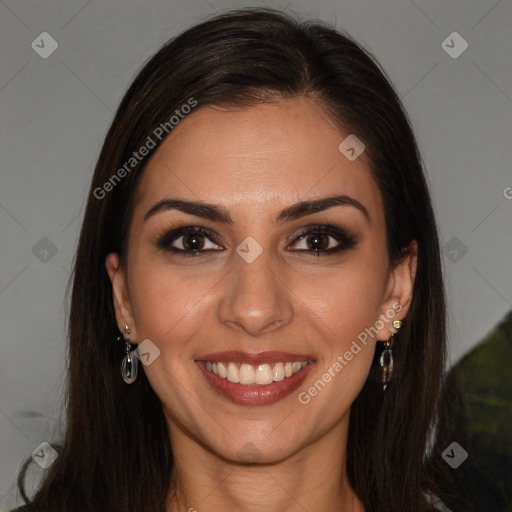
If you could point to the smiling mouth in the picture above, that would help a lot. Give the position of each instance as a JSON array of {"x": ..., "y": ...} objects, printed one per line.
[
  {"x": 259, "y": 374},
  {"x": 249, "y": 378}
]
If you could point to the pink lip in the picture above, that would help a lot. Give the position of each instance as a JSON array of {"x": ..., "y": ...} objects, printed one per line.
[{"x": 255, "y": 395}]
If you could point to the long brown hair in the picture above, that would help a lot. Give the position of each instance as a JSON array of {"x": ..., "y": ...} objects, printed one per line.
[{"x": 116, "y": 453}]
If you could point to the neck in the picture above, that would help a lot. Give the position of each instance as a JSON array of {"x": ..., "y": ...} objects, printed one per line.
[{"x": 314, "y": 478}]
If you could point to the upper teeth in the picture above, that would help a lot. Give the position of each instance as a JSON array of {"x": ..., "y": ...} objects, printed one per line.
[{"x": 261, "y": 374}]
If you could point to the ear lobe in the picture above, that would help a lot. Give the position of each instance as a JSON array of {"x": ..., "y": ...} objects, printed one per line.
[
  {"x": 121, "y": 301},
  {"x": 400, "y": 288}
]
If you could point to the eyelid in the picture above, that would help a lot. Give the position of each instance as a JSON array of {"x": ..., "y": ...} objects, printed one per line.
[{"x": 321, "y": 228}]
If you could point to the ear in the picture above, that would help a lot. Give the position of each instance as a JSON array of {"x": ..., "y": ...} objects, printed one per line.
[
  {"x": 398, "y": 296},
  {"x": 120, "y": 296}
]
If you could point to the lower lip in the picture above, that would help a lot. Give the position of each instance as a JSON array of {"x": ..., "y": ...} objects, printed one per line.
[{"x": 255, "y": 395}]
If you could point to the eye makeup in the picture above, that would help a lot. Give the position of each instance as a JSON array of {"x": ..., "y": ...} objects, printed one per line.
[{"x": 193, "y": 239}]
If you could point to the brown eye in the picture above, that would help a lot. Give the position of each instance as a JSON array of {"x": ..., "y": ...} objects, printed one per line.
[
  {"x": 193, "y": 242},
  {"x": 324, "y": 239},
  {"x": 189, "y": 241},
  {"x": 318, "y": 242}
]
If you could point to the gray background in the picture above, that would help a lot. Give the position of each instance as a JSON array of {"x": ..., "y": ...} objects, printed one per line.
[{"x": 55, "y": 113}]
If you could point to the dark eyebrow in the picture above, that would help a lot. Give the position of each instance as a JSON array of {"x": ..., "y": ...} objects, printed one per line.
[
  {"x": 317, "y": 205},
  {"x": 218, "y": 213}
]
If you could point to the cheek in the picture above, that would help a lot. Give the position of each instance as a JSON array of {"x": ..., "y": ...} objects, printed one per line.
[
  {"x": 347, "y": 306},
  {"x": 166, "y": 305},
  {"x": 346, "y": 299},
  {"x": 344, "y": 307},
  {"x": 170, "y": 311}
]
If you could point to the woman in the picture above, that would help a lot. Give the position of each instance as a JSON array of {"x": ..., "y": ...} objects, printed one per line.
[{"x": 259, "y": 227}]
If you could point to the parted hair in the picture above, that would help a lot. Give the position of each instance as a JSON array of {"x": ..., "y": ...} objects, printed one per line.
[{"x": 116, "y": 454}]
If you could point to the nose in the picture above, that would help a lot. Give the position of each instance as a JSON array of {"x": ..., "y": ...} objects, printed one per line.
[{"x": 254, "y": 299}]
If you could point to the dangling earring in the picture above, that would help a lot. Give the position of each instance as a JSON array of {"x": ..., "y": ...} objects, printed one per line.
[
  {"x": 129, "y": 364},
  {"x": 386, "y": 358}
]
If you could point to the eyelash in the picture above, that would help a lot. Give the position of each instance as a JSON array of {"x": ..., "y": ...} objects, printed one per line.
[{"x": 345, "y": 239}]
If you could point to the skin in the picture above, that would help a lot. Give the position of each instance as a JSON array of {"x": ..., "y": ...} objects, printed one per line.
[{"x": 255, "y": 162}]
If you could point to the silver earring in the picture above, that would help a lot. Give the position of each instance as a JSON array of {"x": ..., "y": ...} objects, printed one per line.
[
  {"x": 129, "y": 364},
  {"x": 386, "y": 358}
]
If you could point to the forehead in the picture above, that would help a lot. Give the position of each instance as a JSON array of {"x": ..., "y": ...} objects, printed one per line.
[{"x": 254, "y": 157}]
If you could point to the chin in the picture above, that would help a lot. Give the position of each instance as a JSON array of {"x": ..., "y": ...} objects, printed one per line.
[{"x": 257, "y": 451}]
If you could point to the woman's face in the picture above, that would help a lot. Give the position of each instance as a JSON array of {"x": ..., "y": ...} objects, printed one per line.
[{"x": 275, "y": 282}]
